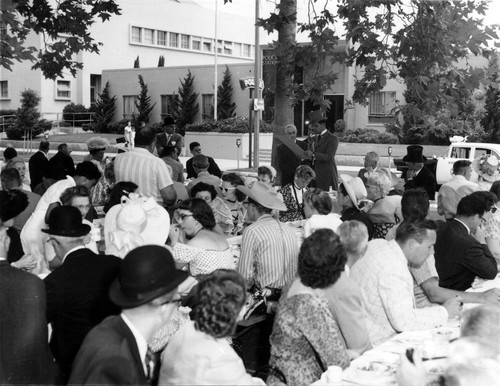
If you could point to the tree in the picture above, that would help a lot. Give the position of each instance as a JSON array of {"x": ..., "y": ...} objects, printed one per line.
[
  {"x": 143, "y": 105},
  {"x": 161, "y": 61},
  {"x": 225, "y": 106},
  {"x": 27, "y": 117},
  {"x": 186, "y": 107},
  {"x": 491, "y": 118},
  {"x": 51, "y": 20},
  {"x": 105, "y": 107},
  {"x": 136, "y": 62}
]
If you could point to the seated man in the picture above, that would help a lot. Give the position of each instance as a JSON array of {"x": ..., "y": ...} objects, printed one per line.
[
  {"x": 213, "y": 168},
  {"x": 461, "y": 252},
  {"x": 269, "y": 249},
  {"x": 370, "y": 165},
  {"x": 201, "y": 165},
  {"x": 170, "y": 157},
  {"x": 417, "y": 175},
  {"x": 387, "y": 286}
]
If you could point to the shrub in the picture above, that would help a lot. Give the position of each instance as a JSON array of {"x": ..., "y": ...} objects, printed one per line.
[
  {"x": 230, "y": 125},
  {"x": 368, "y": 136},
  {"x": 76, "y": 115},
  {"x": 8, "y": 112},
  {"x": 118, "y": 127},
  {"x": 339, "y": 126}
]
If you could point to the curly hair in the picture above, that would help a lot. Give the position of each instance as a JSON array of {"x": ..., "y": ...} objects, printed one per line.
[
  {"x": 319, "y": 200},
  {"x": 12, "y": 202},
  {"x": 201, "y": 211},
  {"x": 235, "y": 179},
  {"x": 322, "y": 258},
  {"x": 203, "y": 187},
  {"x": 122, "y": 188},
  {"x": 74, "y": 191},
  {"x": 217, "y": 301}
]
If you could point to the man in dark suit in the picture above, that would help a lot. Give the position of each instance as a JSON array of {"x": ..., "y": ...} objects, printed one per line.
[
  {"x": 38, "y": 163},
  {"x": 213, "y": 168},
  {"x": 417, "y": 175},
  {"x": 169, "y": 137},
  {"x": 77, "y": 291},
  {"x": 460, "y": 251},
  {"x": 322, "y": 154},
  {"x": 61, "y": 164},
  {"x": 287, "y": 160},
  {"x": 115, "y": 352}
]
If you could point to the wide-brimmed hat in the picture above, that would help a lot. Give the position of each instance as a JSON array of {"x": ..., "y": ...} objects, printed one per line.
[
  {"x": 355, "y": 188},
  {"x": 146, "y": 273},
  {"x": 263, "y": 194},
  {"x": 486, "y": 161},
  {"x": 97, "y": 143},
  {"x": 12, "y": 202},
  {"x": 66, "y": 221},
  {"x": 168, "y": 120},
  {"x": 414, "y": 154},
  {"x": 392, "y": 177}
]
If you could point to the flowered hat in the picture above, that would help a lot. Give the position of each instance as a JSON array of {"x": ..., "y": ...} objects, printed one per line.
[{"x": 486, "y": 167}]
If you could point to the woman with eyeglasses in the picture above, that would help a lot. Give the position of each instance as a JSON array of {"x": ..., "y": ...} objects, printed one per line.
[
  {"x": 195, "y": 244},
  {"x": 233, "y": 200},
  {"x": 293, "y": 194},
  {"x": 222, "y": 214}
]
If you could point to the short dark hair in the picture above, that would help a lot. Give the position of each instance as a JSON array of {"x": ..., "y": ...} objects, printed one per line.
[
  {"x": 88, "y": 170},
  {"x": 201, "y": 211},
  {"x": 495, "y": 189},
  {"x": 44, "y": 145},
  {"x": 122, "y": 188},
  {"x": 74, "y": 191},
  {"x": 319, "y": 200},
  {"x": 460, "y": 166},
  {"x": 192, "y": 145},
  {"x": 264, "y": 170},
  {"x": 475, "y": 203},
  {"x": 216, "y": 302},
  {"x": 9, "y": 153},
  {"x": 11, "y": 178},
  {"x": 236, "y": 180},
  {"x": 144, "y": 136},
  {"x": 416, "y": 230},
  {"x": 200, "y": 161},
  {"x": 168, "y": 150},
  {"x": 342, "y": 189},
  {"x": 62, "y": 146},
  {"x": 322, "y": 258},
  {"x": 415, "y": 204},
  {"x": 203, "y": 187},
  {"x": 12, "y": 202}
]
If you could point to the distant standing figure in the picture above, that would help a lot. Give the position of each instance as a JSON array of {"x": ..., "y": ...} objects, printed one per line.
[
  {"x": 38, "y": 164},
  {"x": 287, "y": 160},
  {"x": 129, "y": 133},
  {"x": 168, "y": 137}
]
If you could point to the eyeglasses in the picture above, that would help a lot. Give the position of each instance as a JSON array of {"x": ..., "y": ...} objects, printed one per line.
[
  {"x": 226, "y": 189},
  {"x": 182, "y": 216}
]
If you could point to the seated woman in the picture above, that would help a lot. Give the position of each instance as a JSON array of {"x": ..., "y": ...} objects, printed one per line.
[
  {"x": 352, "y": 199},
  {"x": 267, "y": 175},
  {"x": 222, "y": 214},
  {"x": 386, "y": 211},
  {"x": 305, "y": 338},
  {"x": 120, "y": 189},
  {"x": 233, "y": 200},
  {"x": 293, "y": 194},
  {"x": 204, "y": 250},
  {"x": 200, "y": 353},
  {"x": 318, "y": 211}
]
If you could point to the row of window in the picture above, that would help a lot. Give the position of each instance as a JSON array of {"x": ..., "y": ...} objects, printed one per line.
[
  {"x": 62, "y": 89},
  {"x": 139, "y": 35}
]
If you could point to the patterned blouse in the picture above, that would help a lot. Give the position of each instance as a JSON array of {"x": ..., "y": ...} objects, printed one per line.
[
  {"x": 203, "y": 261},
  {"x": 295, "y": 209},
  {"x": 305, "y": 333}
]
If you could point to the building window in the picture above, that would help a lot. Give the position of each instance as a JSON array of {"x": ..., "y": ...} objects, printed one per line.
[
  {"x": 173, "y": 40},
  {"x": 129, "y": 106},
  {"x": 196, "y": 43},
  {"x": 149, "y": 36},
  {"x": 228, "y": 48},
  {"x": 207, "y": 46},
  {"x": 63, "y": 89},
  {"x": 136, "y": 35},
  {"x": 4, "y": 89},
  {"x": 220, "y": 43},
  {"x": 3, "y": 28},
  {"x": 247, "y": 50},
  {"x": 161, "y": 39},
  {"x": 207, "y": 108},
  {"x": 237, "y": 49},
  {"x": 168, "y": 103},
  {"x": 185, "y": 41},
  {"x": 382, "y": 103}
]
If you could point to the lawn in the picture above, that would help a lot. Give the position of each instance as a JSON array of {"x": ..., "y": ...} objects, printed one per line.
[{"x": 82, "y": 137}]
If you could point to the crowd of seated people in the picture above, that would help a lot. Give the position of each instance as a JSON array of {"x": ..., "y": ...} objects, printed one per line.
[{"x": 167, "y": 298}]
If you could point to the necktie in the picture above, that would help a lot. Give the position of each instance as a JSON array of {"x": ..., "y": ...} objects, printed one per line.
[
  {"x": 319, "y": 137},
  {"x": 150, "y": 363}
]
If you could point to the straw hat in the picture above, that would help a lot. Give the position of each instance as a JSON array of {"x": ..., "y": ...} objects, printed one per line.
[
  {"x": 355, "y": 188},
  {"x": 263, "y": 194}
]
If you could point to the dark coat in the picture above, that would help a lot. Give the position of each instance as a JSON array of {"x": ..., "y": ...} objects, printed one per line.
[
  {"x": 161, "y": 142},
  {"x": 324, "y": 162},
  {"x": 77, "y": 301},
  {"x": 37, "y": 165},
  {"x": 213, "y": 168},
  {"x": 24, "y": 351},
  {"x": 60, "y": 166},
  {"x": 460, "y": 257},
  {"x": 358, "y": 215},
  {"x": 424, "y": 179},
  {"x": 109, "y": 355},
  {"x": 288, "y": 162}
]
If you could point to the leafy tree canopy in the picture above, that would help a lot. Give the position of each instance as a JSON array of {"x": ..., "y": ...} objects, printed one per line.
[{"x": 64, "y": 26}]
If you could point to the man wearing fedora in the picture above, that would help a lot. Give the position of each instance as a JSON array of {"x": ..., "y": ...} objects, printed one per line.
[
  {"x": 169, "y": 137},
  {"x": 417, "y": 175},
  {"x": 116, "y": 351},
  {"x": 322, "y": 153},
  {"x": 77, "y": 291},
  {"x": 269, "y": 249}
]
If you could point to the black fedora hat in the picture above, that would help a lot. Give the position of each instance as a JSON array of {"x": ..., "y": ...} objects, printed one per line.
[
  {"x": 66, "y": 221},
  {"x": 168, "y": 121},
  {"x": 414, "y": 154},
  {"x": 146, "y": 273}
]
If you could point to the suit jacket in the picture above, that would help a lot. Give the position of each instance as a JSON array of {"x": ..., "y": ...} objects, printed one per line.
[
  {"x": 460, "y": 257},
  {"x": 61, "y": 165},
  {"x": 177, "y": 169},
  {"x": 288, "y": 162},
  {"x": 37, "y": 165},
  {"x": 213, "y": 168},
  {"x": 109, "y": 355},
  {"x": 324, "y": 161},
  {"x": 424, "y": 179},
  {"x": 174, "y": 140},
  {"x": 77, "y": 300},
  {"x": 24, "y": 351}
]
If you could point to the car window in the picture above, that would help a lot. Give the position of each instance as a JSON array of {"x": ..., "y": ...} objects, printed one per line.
[
  {"x": 481, "y": 151},
  {"x": 460, "y": 152}
]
